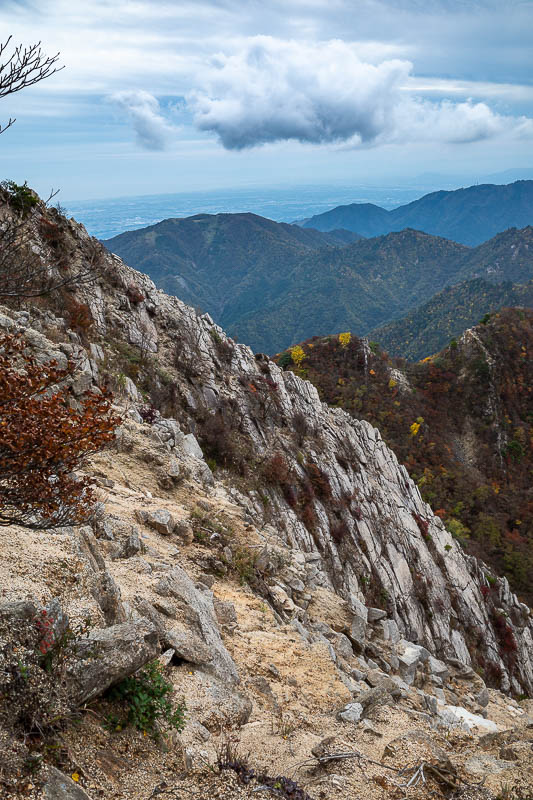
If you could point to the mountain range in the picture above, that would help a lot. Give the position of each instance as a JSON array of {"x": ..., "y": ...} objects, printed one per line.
[
  {"x": 272, "y": 284},
  {"x": 469, "y": 216}
]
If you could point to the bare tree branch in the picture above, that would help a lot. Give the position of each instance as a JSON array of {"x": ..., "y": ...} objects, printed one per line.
[{"x": 24, "y": 67}]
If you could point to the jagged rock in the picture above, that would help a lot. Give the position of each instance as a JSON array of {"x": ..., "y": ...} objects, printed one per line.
[
  {"x": 281, "y": 600},
  {"x": 430, "y": 701},
  {"x": 375, "y": 614},
  {"x": 166, "y": 658},
  {"x": 168, "y": 431},
  {"x": 374, "y": 698},
  {"x": 131, "y": 547},
  {"x": 196, "y": 610},
  {"x": 457, "y": 716},
  {"x": 383, "y": 537},
  {"x": 351, "y": 713},
  {"x": 61, "y": 787},
  {"x": 160, "y": 520},
  {"x": 343, "y": 646},
  {"x": 108, "y": 655},
  {"x": 104, "y": 530},
  {"x": 190, "y": 446},
  {"x": 188, "y": 646},
  {"x": 410, "y": 657},
  {"x": 174, "y": 469},
  {"x": 482, "y": 697},
  {"x": 131, "y": 390},
  {"x": 104, "y": 588},
  {"x": 438, "y": 668},
  {"x": 377, "y": 678}
]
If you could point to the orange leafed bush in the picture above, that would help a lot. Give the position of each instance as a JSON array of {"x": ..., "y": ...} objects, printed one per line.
[{"x": 44, "y": 439}]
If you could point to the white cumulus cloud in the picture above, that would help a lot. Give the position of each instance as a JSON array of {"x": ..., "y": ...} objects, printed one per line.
[
  {"x": 273, "y": 90},
  {"x": 153, "y": 131}
]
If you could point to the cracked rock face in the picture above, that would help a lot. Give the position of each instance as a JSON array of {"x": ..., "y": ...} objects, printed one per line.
[{"x": 363, "y": 532}]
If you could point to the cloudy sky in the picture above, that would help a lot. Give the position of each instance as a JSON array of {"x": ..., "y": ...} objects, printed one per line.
[{"x": 177, "y": 95}]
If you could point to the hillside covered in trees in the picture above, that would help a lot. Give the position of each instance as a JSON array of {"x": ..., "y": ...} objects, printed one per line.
[
  {"x": 271, "y": 284},
  {"x": 429, "y": 328},
  {"x": 460, "y": 421}
]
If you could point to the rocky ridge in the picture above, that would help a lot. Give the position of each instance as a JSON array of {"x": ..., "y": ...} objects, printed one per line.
[{"x": 344, "y": 565}]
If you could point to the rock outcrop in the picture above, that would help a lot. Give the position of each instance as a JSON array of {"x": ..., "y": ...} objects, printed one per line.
[
  {"x": 346, "y": 571},
  {"x": 325, "y": 484}
]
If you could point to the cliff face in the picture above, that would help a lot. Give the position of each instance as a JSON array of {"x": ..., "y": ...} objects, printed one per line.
[
  {"x": 309, "y": 477},
  {"x": 268, "y": 549}
]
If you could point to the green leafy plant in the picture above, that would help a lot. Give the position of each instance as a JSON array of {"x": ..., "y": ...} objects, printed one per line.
[
  {"x": 21, "y": 197},
  {"x": 147, "y": 696}
]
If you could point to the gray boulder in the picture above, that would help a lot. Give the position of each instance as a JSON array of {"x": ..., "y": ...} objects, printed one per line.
[
  {"x": 160, "y": 520},
  {"x": 410, "y": 657},
  {"x": 195, "y": 609},
  {"x": 131, "y": 547},
  {"x": 374, "y": 698},
  {"x": 188, "y": 646},
  {"x": 108, "y": 655},
  {"x": 190, "y": 446},
  {"x": 21, "y": 610}
]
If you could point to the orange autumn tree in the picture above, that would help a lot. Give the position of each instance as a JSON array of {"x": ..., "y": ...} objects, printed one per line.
[{"x": 44, "y": 438}]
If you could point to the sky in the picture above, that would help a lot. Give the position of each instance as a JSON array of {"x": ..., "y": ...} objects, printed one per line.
[{"x": 159, "y": 96}]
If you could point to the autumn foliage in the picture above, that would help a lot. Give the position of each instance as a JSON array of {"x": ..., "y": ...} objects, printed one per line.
[
  {"x": 45, "y": 435},
  {"x": 460, "y": 421}
]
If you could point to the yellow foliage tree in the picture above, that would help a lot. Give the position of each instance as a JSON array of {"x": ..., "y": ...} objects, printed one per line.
[
  {"x": 298, "y": 355},
  {"x": 345, "y": 339}
]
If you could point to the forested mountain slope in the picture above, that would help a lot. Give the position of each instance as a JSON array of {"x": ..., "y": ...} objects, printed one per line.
[
  {"x": 460, "y": 421},
  {"x": 272, "y": 284},
  {"x": 223, "y": 263},
  {"x": 430, "y": 327}
]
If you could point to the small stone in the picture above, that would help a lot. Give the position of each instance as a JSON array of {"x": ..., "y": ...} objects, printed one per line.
[
  {"x": 323, "y": 747},
  {"x": 228, "y": 554},
  {"x": 351, "y": 713},
  {"x": 508, "y": 753},
  {"x": 225, "y": 613},
  {"x": 368, "y": 727},
  {"x": 184, "y": 530},
  {"x": 174, "y": 470},
  {"x": 374, "y": 698},
  {"x": 482, "y": 698}
]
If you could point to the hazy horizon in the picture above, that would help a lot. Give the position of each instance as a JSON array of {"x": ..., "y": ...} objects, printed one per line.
[{"x": 160, "y": 97}]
